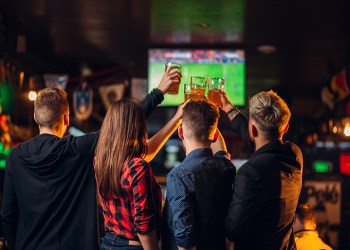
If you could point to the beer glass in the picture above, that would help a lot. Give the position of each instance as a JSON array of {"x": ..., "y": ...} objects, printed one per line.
[
  {"x": 189, "y": 94},
  {"x": 198, "y": 86},
  {"x": 174, "y": 88},
  {"x": 214, "y": 85}
]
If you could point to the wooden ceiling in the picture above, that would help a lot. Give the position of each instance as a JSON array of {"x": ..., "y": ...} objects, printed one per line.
[{"x": 311, "y": 37}]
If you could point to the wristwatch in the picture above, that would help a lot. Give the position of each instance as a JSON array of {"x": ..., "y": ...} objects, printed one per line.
[{"x": 231, "y": 110}]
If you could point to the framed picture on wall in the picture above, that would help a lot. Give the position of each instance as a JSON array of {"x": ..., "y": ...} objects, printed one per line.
[{"x": 111, "y": 93}]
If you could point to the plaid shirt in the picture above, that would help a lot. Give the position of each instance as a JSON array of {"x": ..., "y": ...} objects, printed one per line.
[{"x": 138, "y": 208}]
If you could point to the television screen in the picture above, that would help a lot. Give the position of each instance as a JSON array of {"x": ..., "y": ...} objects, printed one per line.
[{"x": 229, "y": 64}]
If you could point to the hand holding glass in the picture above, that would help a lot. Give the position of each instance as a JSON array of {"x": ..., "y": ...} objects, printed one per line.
[
  {"x": 174, "y": 88},
  {"x": 214, "y": 85}
]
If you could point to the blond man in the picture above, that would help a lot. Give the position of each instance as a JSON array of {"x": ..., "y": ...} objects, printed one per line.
[{"x": 267, "y": 186}]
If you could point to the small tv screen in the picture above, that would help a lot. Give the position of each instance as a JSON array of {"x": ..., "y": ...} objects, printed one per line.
[{"x": 226, "y": 63}]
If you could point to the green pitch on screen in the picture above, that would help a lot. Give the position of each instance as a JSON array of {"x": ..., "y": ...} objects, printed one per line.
[{"x": 234, "y": 80}]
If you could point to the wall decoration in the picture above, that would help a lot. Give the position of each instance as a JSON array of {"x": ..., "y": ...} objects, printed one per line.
[
  {"x": 82, "y": 101},
  {"x": 56, "y": 80},
  {"x": 111, "y": 93},
  {"x": 138, "y": 88},
  {"x": 336, "y": 90}
]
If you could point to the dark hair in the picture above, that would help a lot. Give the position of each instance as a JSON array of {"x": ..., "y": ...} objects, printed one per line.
[
  {"x": 123, "y": 135},
  {"x": 201, "y": 119},
  {"x": 305, "y": 213},
  {"x": 50, "y": 106}
]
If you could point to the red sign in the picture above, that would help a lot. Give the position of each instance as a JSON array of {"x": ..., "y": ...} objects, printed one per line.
[{"x": 344, "y": 164}]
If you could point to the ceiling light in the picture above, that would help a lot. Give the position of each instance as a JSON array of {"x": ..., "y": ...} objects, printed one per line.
[
  {"x": 32, "y": 95},
  {"x": 267, "y": 49}
]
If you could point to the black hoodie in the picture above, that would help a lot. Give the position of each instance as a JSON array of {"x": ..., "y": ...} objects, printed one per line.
[
  {"x": 50, "y": 191},
  {"x": 50, "y": 194}
]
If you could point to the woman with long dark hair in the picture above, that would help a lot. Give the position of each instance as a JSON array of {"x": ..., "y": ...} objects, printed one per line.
[{"x": 130, "y": 196}]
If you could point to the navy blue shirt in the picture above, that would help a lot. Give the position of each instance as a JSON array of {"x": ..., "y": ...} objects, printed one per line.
[{"x": 198, "y": 195}]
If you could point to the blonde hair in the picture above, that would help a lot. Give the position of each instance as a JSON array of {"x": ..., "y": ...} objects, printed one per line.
[{"x": 270, "y": 112}]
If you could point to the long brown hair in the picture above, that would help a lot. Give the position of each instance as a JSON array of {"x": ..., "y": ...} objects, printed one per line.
[{"x": 123, "y": 135}]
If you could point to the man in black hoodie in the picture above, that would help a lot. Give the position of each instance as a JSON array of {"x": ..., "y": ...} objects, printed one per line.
[
  {"x": 268, "y": 185},
  {"x": 49, "y": 188}
]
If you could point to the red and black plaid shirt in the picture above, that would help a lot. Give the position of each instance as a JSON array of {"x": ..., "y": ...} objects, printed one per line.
[{"x": 138, "y": 208}]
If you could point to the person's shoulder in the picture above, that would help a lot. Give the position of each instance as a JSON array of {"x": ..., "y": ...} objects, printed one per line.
[
  {"x": 20, "y": 148},
  {"x": 83, "y": 142},
  {"x": 178, "y": 169},
  {"x": 222, "y": 156},
  {"x": 293, "y": 147},
  {"x": 295, "y": 154},
  {"x": 137, "y": 165},
  {"x": 220, "y": 162},
  {"x": 250, "y": 169},
  {"x": 137, "y": 161},
  {"x": 82, "y": 138},
  {"x": 13, "y": 155},
  {"x": 181, "y": 170}
]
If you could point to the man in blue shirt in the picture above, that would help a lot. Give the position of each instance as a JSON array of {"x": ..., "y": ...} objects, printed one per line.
[{"x": 200, "y": 188}]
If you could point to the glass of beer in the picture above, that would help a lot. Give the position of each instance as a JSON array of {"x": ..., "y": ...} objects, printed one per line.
[
  {"x": 190, "y": 94},
  {"x": 187, "y": 91},
  {"x": 198, "y": 85},
  {"x": 174, "y": 88},
  {"x": 214, "y": 85}
]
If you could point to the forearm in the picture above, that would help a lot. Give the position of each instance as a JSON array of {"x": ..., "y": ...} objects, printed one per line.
[
  {"x": 239, "y": 125},
  {"x": 219, "y": 144},
  {"x": 151, "y": 101},
  {"x": 158, "y": 140},
  {"x": 149, "y": 240}
]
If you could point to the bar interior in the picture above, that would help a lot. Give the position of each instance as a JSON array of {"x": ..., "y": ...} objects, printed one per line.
[{"x": 102, "y": 51}]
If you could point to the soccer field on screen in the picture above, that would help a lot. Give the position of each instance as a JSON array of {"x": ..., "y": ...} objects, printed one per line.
[{"x": 233, "y": 73}]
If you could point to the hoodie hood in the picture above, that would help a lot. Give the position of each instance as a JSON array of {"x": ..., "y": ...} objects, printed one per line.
[{"x": 42, "y": 153}]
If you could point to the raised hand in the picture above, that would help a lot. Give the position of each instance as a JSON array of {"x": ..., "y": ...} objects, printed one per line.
[
  {"x": 180, "y": 110},
  {"x": 227, "y": 105},
  {"x": 170, "y": 77}
]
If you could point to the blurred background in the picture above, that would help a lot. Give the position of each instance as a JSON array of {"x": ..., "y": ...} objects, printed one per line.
[{"x": 100, "y": 51}]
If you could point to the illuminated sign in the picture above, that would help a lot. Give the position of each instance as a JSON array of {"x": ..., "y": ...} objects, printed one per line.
[
  {"x": 344, "y": 164},
  {"x": 322, "y": 167},
  {"x": 4, "y": 152}
]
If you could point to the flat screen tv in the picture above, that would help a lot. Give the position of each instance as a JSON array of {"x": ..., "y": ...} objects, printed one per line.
[{"x": 227, "y": 63}]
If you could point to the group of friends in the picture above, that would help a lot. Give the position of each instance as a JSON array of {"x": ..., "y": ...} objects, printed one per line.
[{"x": 54, "y": 183}]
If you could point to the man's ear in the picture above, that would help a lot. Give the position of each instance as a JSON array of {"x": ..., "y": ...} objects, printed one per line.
[
  {"x": 254, "y": 130},
  {"x": 35, "y": 119},
  {"x": 180, "y": 132},
  {"x": 66, "y": 120},
  {"x": 216, "y": 136},
  {"x": 285, "y": 130}
]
